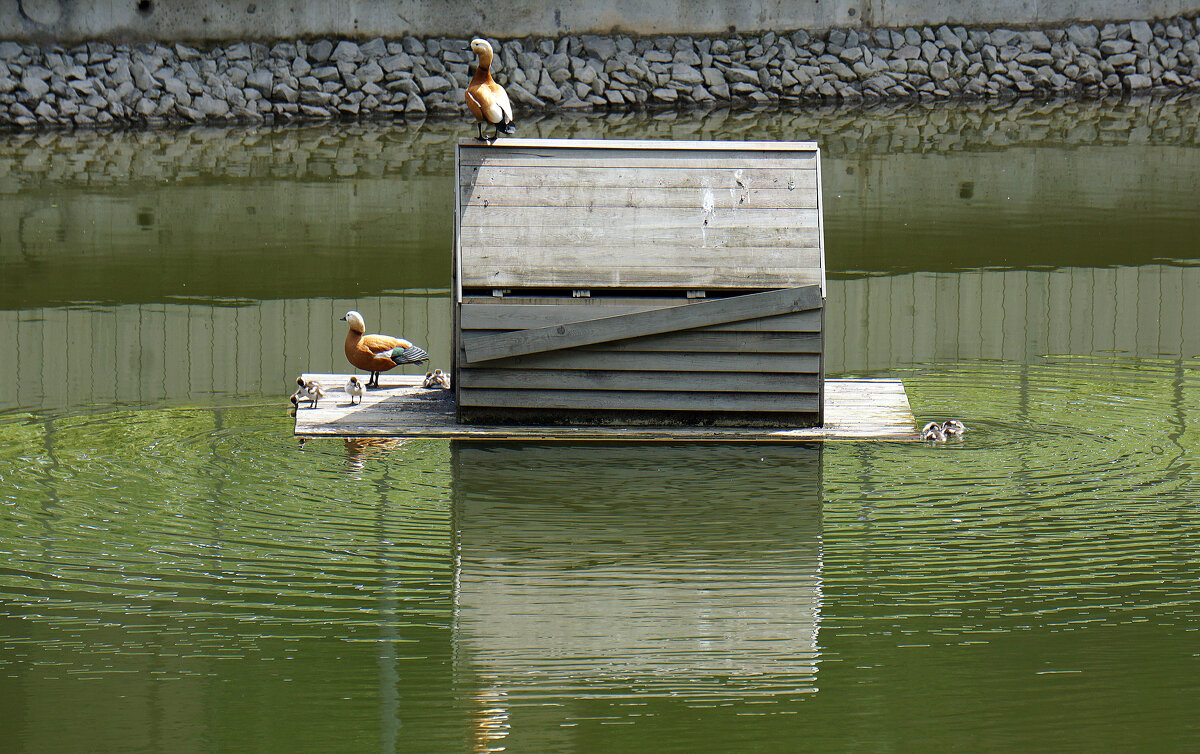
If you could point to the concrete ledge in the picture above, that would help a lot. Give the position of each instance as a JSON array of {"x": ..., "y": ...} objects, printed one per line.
[{"x": 64, "y": 21}]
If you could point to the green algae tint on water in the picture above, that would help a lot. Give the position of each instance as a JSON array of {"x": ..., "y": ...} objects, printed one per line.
[{"x": 178, "y": 573}]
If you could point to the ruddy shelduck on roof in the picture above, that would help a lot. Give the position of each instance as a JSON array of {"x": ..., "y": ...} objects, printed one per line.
[{"x": 486, "y": 99}]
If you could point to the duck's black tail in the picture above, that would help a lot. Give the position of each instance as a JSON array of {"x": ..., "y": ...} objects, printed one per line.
[
  {"x": 409, "y": 355},
  {"x": 509, "y": 128}
]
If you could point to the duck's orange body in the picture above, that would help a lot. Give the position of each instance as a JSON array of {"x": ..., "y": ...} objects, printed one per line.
[
  {"x": 361, "y": 350},
  {"x": 377, "y": 353},
  {"x": 486, "y": 99}
]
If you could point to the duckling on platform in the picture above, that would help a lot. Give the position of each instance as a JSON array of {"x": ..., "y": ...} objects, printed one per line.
[
  {"x": 377, "y": 353},
  {"x": 354, "y": 389},
  {"x": 486, "y": 99},
  {"x": 436, "y": 379},
  {"x": 310, "y": 391}
]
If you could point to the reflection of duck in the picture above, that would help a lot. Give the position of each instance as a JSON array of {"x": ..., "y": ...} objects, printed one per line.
[
  {"x": 437, "y": 379},
  {"x": 309, "y": 391},
  {"x": 953, "y": 427},
  {"x": 354, "y": 389},
  {"x": 933, "y": 431},
  {"x": 486, "y": 99},
  {"x": 358, "y": 448},
  {"x": 377, "y": 353}
]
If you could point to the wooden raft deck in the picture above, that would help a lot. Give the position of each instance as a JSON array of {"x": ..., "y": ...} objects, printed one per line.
[{"x": 854, "y": 410}]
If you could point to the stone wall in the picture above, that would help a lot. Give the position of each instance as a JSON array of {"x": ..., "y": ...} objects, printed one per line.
[{"x": 99, "y": 83}]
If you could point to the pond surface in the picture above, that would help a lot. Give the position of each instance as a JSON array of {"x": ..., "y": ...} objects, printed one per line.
[{"x": 178, "y": 573}]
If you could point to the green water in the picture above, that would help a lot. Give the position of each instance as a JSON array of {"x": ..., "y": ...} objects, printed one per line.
[{"x": 178, "y": 573}]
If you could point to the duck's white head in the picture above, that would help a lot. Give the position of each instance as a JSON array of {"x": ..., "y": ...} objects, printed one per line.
[
  {"x": 483, "y": 49},
  {"x": 355, "y": 320}
]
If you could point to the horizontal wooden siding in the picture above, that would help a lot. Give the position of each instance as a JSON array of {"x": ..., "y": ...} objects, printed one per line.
[
  {"x": 768, "y": 366},
  {"x": 605, "y": 217}
]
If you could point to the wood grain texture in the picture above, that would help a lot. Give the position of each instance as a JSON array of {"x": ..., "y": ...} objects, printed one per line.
[
  {"x": 642, "y": 216},
  {"x": 640, "y": 400},
  {"x": 524, "y": 316},
  {"x": 581, "y": 358},
  {"x": 593, "y": 215},
  {"x": 616, "y": 244},
  {"x": 733, "y": 198},
  {"x": 636, "y": 324},
  {"x": 633, "y": 176},
  {"x": 705, "y": 276},
  {"x": 605, "y": 379},
  {"x": 695, "y": 341},
  {"x": 407, "y": 410}
]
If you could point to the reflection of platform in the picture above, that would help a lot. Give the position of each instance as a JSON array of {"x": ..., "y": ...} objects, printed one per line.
[
  {"x": 625, "y": 570},
  {"x": 854, "y": 409}
]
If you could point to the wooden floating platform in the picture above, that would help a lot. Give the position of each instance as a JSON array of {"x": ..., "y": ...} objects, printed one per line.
[{"x": 854, "y": 410}]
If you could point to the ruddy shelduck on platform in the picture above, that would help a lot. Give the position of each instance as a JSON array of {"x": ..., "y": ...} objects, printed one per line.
[
  {"x": 486, "y": 99},
  {"x": 377, "y": 353}
]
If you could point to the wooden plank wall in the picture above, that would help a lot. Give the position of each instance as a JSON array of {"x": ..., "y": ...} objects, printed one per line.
[
  {"x": 651, "y": 216},
  {"x": 765, "y": 365},
  {"x": 544, "y": 219}
]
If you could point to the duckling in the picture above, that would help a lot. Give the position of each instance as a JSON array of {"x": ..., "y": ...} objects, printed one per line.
[
  {"x": 486, "y": 99},
  {"x": 436, "y": 379},
  {"x": 377, "y": 353},
  {"x": 953, "y": 427},
  {"x": 933, "y": 431},
  {"x": 354, "y": 389},
  {"x": 310, "y": 390}
]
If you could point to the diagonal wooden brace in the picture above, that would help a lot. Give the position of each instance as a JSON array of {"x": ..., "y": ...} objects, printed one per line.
[{"x": 637, "y": 324}]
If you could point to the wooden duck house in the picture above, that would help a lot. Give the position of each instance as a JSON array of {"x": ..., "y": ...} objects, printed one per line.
[{"x": 638, "y": 282}]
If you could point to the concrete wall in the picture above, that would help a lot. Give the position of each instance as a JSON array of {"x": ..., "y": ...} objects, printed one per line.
[{"x": 123, "y": 20}]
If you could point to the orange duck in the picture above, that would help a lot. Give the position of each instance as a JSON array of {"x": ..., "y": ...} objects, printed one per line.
[
  {"x": 377, "y": 353},
  {"x": 486, "y": 99}
]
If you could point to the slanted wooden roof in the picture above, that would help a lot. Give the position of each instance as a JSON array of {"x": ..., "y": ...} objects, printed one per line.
[{"x": 594, "y": 214}]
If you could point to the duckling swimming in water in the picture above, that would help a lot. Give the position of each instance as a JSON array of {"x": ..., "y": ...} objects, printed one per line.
[
  {"x": 953, "y": 427},
  {"x": 933, "y": 432},
  {"x": 486, "y": 99},
  {"x": 354, "y": 389},
  {"x": 309, "y": 390}
]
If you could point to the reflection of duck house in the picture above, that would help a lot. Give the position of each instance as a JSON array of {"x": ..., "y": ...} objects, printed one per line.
[
  {"x": 697, "y": 574},
  {"x": 633, "y": 282},
  {"x": 634, "y": 290}
]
